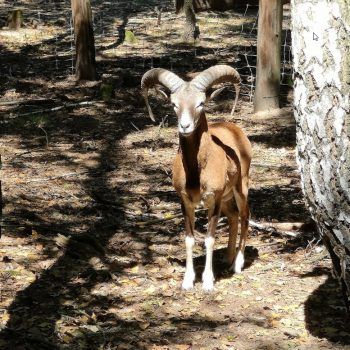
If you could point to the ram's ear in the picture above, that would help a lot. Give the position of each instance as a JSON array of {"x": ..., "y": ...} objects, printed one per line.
[
  {"x": 215, "y": 93},
  {"x": 165, "y": 94}
]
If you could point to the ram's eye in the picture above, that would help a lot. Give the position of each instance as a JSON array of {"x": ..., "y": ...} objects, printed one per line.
[{"x": 200, "y": 105}]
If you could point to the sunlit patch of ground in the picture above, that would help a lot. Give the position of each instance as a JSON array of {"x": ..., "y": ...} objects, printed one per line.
[
  {"x": 15, "y": 40},
  {"x": 92, "y": 249}
]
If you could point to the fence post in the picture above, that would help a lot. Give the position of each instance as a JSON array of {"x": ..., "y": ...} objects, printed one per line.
[
  {"x": 0, "y": 195},
  {"x": 267, "y": 86}
]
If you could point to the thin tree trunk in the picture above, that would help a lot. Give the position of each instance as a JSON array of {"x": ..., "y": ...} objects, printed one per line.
[
  {"x": 189, "y": 32},
  {"x": 267, "y": 86},
  {"x": 15, "y": 19},
  {"x": 0, "y": 195},
  {"x": 321, "y": 47},
  {"x": 84, "y": 40}
]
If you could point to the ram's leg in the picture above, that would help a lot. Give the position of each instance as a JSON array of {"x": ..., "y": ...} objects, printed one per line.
[
  {"x": 213, "y": 217},
  {"x": 188, "y": 212},
  {"x": 229, "y": 208},
  {"x": 243, "y": 208}
]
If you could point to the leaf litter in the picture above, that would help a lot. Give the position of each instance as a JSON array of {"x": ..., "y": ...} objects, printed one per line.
[{"x": 86, "y": 271}]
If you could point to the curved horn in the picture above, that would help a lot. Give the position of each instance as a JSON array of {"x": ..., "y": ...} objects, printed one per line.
[
  {"x": 158, "y": 76},
  {"x": 215, "y": 75}
]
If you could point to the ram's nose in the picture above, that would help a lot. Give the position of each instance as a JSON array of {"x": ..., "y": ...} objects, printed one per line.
[
  {"x": 186, "y": 129},
  {"x": 186, "y": 123},
  {"x": 184, "y": 126}
]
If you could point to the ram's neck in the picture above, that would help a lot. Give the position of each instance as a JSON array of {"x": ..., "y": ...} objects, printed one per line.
[{"x": 190, "y": 149}]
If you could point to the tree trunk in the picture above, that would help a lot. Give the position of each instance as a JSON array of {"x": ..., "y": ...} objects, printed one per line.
[
  {"x": 0, "y": 195},
  {"x": 84, "y": 40},
  {"x": 267, "y": 87},
  {"x": 15, "y": 19},
  {"x": 321, "y": 46},
  {"x": 189, "y": 30}
]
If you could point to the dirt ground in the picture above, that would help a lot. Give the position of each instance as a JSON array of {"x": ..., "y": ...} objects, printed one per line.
[{"x": 92, "y": 247}]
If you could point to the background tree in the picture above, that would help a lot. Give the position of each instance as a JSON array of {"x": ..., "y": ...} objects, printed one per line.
[
  {"x": 322, "y": 86},
  {"x": 268, "y": 67},
  {"x": 15, "y": 19},
  {"x": 189, "y": 29},
  {"x": 191, "y": 7},
  {"x": 84, "y": 40}
]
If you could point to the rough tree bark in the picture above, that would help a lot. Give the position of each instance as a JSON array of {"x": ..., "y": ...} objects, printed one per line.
[
  {"x": 15, "y": 19},
  {"x": 189, "y": 29},
  {"x": 321, "y": 46},
  {"x": 84, "y": 40},
  {"x": 267, "y": 86}
]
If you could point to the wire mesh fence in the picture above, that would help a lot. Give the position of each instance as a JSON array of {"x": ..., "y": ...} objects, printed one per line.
[{"x": 145, "y": 34}]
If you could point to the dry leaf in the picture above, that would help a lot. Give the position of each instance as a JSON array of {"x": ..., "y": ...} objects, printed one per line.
[
  {"x": 246, "y": 293},
  {"x": 35, "y": 234},
  {"x": 135, "y": 269},
  {"x": 92, "y": 328},
  {"x": 182, "y": 346},
  {"x": 149, "y": 291},
  {"x": 4, "y": 317},
  {"x": 66, "y": 338},
  {"x": 274, "y": 323},
  {"x": 61, "y": 240},
  {"x": 144, "y": 325}
]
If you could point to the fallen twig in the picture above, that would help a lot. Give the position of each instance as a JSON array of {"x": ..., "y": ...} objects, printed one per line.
[
  {"x": 154, "y": 193},
  {"x": 166, "y": 218},
  {"x": 26, "y": 224},
  {"x": 136, "y": 128},
  {"x": 117, "y": 205},
  {"x": 319, "y": 256},
  {"x": 268, "y": 228},
  {"x": 262, "y": 245},
  {"x": 46, "y": 136},
  {"x": 55, "y": 109},
  {"x": 272, "y": 228},
  {"x": 57, "y": 177},
  {"x": 26, "y": 102},
  {"x": 157, "y": 221}
]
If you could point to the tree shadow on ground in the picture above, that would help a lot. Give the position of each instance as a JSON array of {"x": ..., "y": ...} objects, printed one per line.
[
  {"x": 52, "y": 298},
  {"x": 64, "y": 291},
  {"x": 285, "y": 204},
  {"x": 325, "y": 312},
  {"x": 34, "y": 313},
  {"x": 278, "y": 137}
]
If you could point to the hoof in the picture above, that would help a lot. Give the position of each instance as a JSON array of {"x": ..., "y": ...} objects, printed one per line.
[
  {"x": 188, "y": 281},
  {"x": 208, "y": 282},
  {"x": 208, "y": 287},
  {"x": 187, "y": 285}
]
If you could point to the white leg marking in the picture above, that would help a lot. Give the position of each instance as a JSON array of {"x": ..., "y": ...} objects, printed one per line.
[
  {"x": 208, "y": 276},
  {"x": 239, "y": 263},
  {"x": 189, "y": 273}
]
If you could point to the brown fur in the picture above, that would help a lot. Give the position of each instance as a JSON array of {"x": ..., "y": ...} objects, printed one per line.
[
  {"x": 212, "y": 165},
  {"x": 214, "y": 159}
]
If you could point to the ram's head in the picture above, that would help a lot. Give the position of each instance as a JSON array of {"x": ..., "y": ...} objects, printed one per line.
[{"x": 188, "y": 98}]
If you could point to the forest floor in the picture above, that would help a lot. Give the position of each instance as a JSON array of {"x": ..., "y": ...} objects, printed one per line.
[{"x": 92, "y": 247}]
